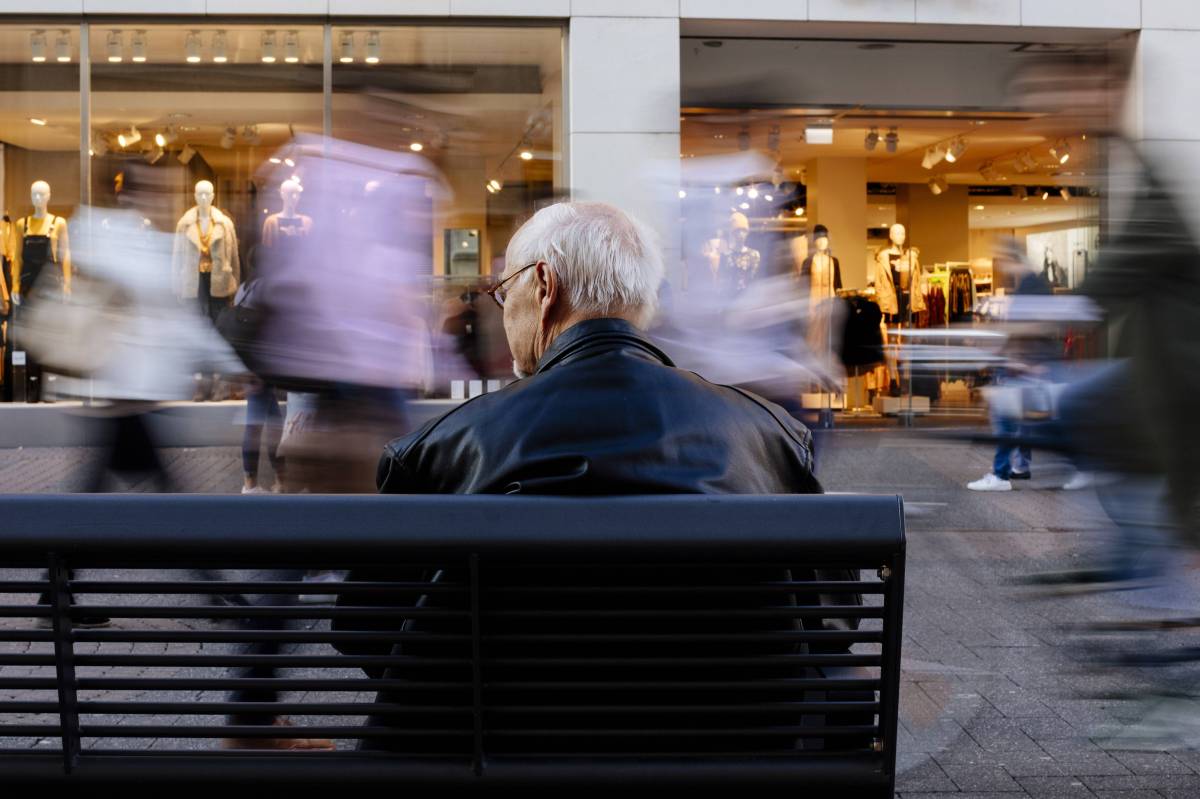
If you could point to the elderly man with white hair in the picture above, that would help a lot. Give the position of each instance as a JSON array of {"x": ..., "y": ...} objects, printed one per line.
[{"x": 599, "y": 409}]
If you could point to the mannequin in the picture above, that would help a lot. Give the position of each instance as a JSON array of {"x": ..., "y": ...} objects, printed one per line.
[
  {"x": 899, "y": 283},
  {"x": 823, "y": 270},
  {"x": 288, "y": 223},
  {"x": 740, "y": 265},
  {"x": 205, "y": 265},
  {"x": 40, "y": 239}
]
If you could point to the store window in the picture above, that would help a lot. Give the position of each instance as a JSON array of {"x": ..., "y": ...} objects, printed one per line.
[
  {"x": 886, "y": 179},
  {"x": 39, "y": 174}
]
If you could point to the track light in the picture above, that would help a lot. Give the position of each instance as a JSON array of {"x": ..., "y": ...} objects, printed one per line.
[
  {"x": 160, "y": 140},
  {"x": 191, "y": 48},
  {"x": 220, "y": 48},
  {"x": 37, "y": 47},
  {"x": 62, "y": 48},
  {"x": 130, "y": 137},
  {"x": 229, "y": 138},
  {"x": 1020, "y": 192},
  {"x": 682, "y": 194},
  {"x": 372, "y": 48},
  {"x": 773, "y": 135},
  {"x": 872, "y": 139},
  {"x": 291, "y": 48},
  {"x": 938, "y": 185},
  {"x": 268, "y": 48},
  {"x": 933, "y": 156},
  {"x": 138, "y": 47},
  {"x": 416, "y": 147},
  {"x": 955, "y": 150},
  {"x": 526, "y": 155},
  {"x": 153, "y": 156},
  {"x": 115, "y": 56},
  {"x": 99, "y": 145},
  {"x": 250, "y": 135},
  {"x": 39, "y": 121},
  {"x": 752, "y": 193},
  {"x": 1061, "y": 151},
  {"x": 799, "y": 211},
  {"x": 495, "y": 185},
  {"x": 1065, "y": 193},
  {"x": 1045, "y": 194},
  {"x": 186, "y": 154},
  {"x": 347, "y": 49},
  {"x": 892, "y": 140},
  {"x": 988, "y": 171},
  {"x": 1025, "y": 162}
]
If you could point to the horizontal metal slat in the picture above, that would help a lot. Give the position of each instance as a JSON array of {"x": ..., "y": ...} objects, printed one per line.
[
  {"x": 29, "y": 683},
  {"x": 352, "y": 684},
  {"x": 812, "y": 636},
  {"x": 28, "y": 706},
  {"x": 23, "y": 586},
  {"x": 251, "y": 636},
  {"x": 749, "y": 684},
  {"x": 823, "y": 587},
  {"x": 152, "y": 587},
  {"x": 23, "y": 611},
  {"x": 688, "y": 732},
  {"x": 711, "y": 710},
  {"x": 261, "y": 611},
  {"x": 91, "y": 707},
  {"x": 30, "y": 731},
  {"x": 172, "y": 660},
  {"x": 262, "y": 731},
  {"x": 19, "y": 636},
  {"x": 799, "y": 611},
  {"x": 695, "y": 662}
]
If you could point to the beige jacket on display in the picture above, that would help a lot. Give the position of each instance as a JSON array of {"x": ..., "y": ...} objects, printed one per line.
[
  {"x": 885, "y": 289},
  {"x": 185, "y": 256}
]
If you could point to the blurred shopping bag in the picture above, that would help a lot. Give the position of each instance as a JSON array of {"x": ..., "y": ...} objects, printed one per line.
[
  {"x": 1027, "y": 400},
  {"x": 72, "y": 335}
]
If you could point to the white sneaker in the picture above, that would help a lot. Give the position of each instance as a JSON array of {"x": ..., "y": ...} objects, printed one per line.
[
  {"x": 255, "y": 490},
  {"x": 1079, "y": 481},
  {"x": 990, "y": 482}
]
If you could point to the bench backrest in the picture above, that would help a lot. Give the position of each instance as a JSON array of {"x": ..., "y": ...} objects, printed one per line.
[{"x": 683, "y": 638}]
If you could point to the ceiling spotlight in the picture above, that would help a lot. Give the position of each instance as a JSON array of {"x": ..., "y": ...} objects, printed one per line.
[
  {"x": 979, "y": 208},
  {"x": 818, "y": 134},
  {"x": 1061, "y": 151},
  {"x": 268, "y": 48},
  {"x": 291, "y": 47},
  {"x": 1065, "y": 193},
  {"x": 987, "y": 171},
  {"x": 495, "y": 185},
  {"x": 250, "y": 135},
  {"x": 37, "y": 46},
  {"x": 1045, "y": 194},
  {"x": 933, "y": 156},
  {"x": 220, "y": 48},
  {"x": 800, "y": 211},
  {"x": 871, "y": 139},
  {"x": 744, "y": 139},
  {"x": 186, "y": 154},
  {"x": 773, "y": 138},
  {"x": 956, "y": 149},
  {"x": 526, "y": 155},
  {"x": 347, "y": 49},
  {"x": 744, "y": 206},
  {"x": 153, "y": 156},
  {"x": 130, "y": 137},
  {"x": 62, "y": 47},
  {"x": 41, "y": 123},
  {"x": 99, "y": 145},
  {"x": 938, "y": 185},
  {"x": 191, "y": 48},
  {"x": 716, "y": 189},
  {"x": 228, "y": 138},
  {"x": 682, "y": 194},
  {"x": 275, "y": 160},
  {"x": 138, "y": 45},
  {"x": 892, "y": 140},
  {"x": 160, "y": 140},
  {"x": 289, "y": 162},
  {"x": 1025, "y": 162},
  {"x": 372, "y": 48},
  {"x": 416, "y": 147},
  {"x": 739, "y": 191},
  {"x": 1020, "y": 192},
  {"x": 115, "y": 56},
  {"x": 752, "y": 193}
]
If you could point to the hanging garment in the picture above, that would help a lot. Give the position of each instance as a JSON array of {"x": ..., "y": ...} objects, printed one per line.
[
  {"x": 862, "y": 338},
  {"x": 739, "y": 268}
]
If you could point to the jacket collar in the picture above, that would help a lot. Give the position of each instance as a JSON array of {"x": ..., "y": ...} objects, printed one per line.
[{"x": 590, "y": 334}]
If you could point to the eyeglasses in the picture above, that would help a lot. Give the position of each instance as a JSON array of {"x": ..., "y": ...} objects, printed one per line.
[{"x": 498, "y": 292}]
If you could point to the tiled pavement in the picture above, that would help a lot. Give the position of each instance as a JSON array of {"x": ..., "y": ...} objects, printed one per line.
[{"x": 999, "y": 698}]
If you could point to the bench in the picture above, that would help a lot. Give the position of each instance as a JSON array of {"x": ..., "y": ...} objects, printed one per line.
[{"x": 484, "y": 641}]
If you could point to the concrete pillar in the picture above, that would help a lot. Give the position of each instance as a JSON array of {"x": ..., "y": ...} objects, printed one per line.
[
  {"x": 938, "y": 225},
  {"x": 623, "y": 101},
  {"x": 837, "y": 199}
]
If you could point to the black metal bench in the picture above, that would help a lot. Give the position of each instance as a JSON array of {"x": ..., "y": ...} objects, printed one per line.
[{"x": 529, "y": 641}]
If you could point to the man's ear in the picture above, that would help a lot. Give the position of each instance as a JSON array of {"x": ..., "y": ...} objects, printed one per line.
[{"x": 548, "y": 288}]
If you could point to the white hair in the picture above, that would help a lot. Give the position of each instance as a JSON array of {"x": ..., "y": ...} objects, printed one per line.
[{"x": 609, "y": 263}]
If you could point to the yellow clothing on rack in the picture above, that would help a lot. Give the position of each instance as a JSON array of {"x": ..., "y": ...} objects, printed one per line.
[{"x": 55, "y": 227}]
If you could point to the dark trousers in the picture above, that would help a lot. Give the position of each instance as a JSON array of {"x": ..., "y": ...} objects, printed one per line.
[
  {"x": 262, "y": 415},
  {"x": 268, "y": 623}
]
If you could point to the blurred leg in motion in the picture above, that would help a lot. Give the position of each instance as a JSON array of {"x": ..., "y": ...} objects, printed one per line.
[{"x": 262, "y": 416}]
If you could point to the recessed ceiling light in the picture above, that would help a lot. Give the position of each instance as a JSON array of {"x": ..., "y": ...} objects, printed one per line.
[
  {"x": 38, "y": 121},
  {"x": 416, "y": 147},
  {"x": 526, "y": 155},
  {"x": 979, "y": 208}
]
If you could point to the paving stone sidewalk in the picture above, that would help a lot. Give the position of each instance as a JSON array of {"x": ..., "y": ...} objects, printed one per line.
[{"x": 1000, "y": 697}]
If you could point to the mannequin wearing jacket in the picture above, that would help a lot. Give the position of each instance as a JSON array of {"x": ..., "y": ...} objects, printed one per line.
[
  {"x": 205, "y": 265},
  {"x": 39, "y": 241},
  {"x": 899, "y": 282}
]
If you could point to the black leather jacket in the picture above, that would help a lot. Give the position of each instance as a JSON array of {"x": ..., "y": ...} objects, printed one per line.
[{"x": 605, "y": 413}]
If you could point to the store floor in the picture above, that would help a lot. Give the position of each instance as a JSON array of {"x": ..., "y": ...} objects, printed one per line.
[{"x": 999, "y": 698}]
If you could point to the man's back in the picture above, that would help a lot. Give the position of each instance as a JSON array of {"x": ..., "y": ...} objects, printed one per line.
[{"x": 606, "y": 413}]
